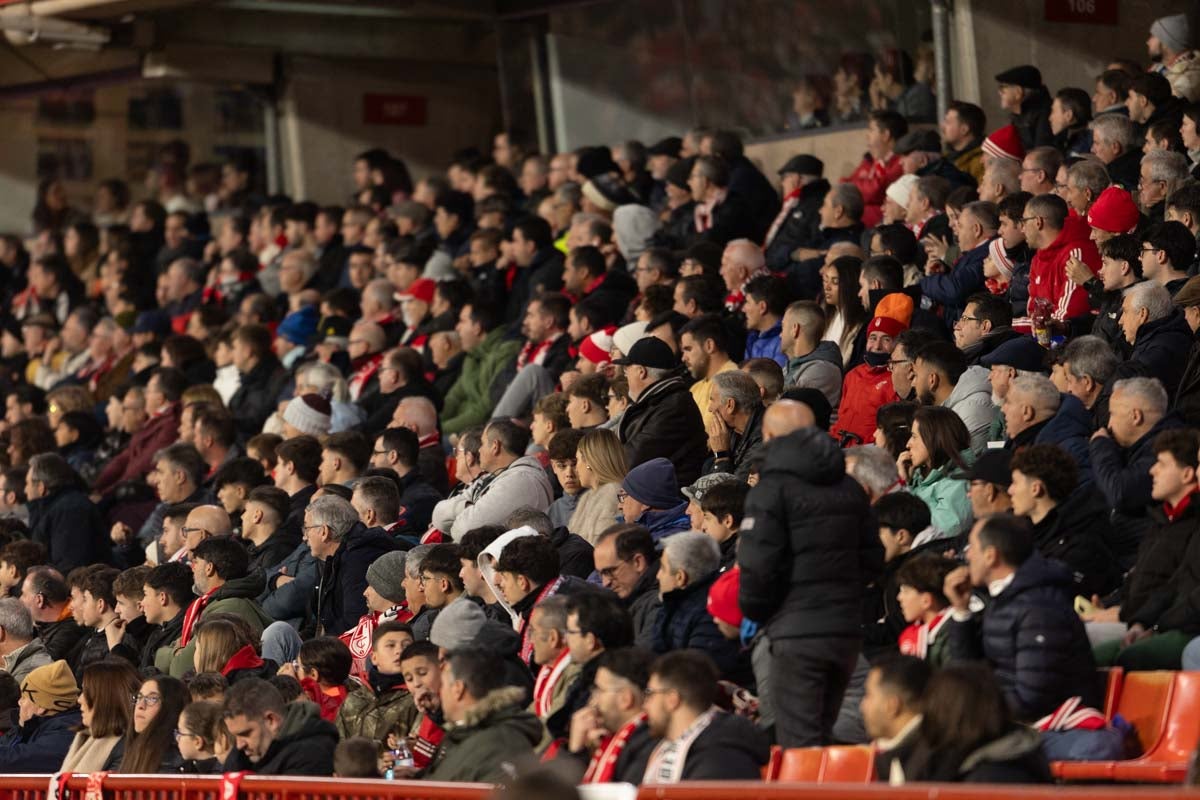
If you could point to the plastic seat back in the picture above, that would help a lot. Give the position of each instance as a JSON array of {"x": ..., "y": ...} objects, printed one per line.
[
  {"x": 848, "y": 764},
  {"x": 1114, "y": 677},
  {"x": 770, "y": 772},
  {"x": 801, "y": 764},
  {"x": 1181, "y": 729},
  {"x": 1143, "y": 703}
]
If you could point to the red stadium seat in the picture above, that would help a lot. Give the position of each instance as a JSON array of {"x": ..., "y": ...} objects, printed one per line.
[
  {"x": 843, "y": 764},
  {"x": 770, "y": 772},
  {"x": 1114, "y": 676},
  {"x": 1160, "y": 706}
]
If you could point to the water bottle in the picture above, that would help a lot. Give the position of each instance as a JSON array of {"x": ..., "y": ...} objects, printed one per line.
[{"x": 401, "y": 757}]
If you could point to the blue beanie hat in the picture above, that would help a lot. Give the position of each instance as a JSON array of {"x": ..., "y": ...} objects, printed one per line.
[
  {"x": 299, "y": 326},
  {"x": 653, "y": 483}
]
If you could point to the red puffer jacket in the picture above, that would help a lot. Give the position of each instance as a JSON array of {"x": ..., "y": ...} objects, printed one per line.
[
  {"x": 1048, "y": 271},
  {"x": 864, "y": 390}
]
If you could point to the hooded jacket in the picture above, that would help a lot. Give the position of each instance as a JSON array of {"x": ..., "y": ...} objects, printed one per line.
[
  {"x": 684, "y": 623},
  {"x": 663, "y": 522},
  {"x": 469, "y": 402},
  {"x": 496, "y": 732},
  {"x": 971, "y": 399},
  {"x": 70, "y": 527},
  {"x": 809, "y": 541},
  {"x": 1035, "y": 641},
  {"x": 766, "y": 344},
  {"x": 340, "y": 601},
  {"x": 1160, "y": 348},
  {"x": 1016, "y": 757},
  {"x": 821, "y": 370},
  {"x": 522, "y": 483},
  {"x": 1048, "y": 270},
  {"x": 25, "y": 660},
  {"x": 665, "y": 422},
  {"x": 39, "y": 745},
  {"x": 235, "y": 597},
  {"x": 303, "y": 746},
  {"x": 387, "y": 708},
  {"x": 944, "y": 490}
]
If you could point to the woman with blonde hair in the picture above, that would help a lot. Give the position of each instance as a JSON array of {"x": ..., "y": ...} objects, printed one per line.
[
  {"x": 224, "y": 647},
  {"x": 106, "y": 707},
  {"x": 600, "y": 463}
]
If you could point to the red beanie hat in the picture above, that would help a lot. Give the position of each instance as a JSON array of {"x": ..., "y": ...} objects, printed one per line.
[
  {"x": 723, "y": 598},
  {"x": 1114, "y": 211},
  {"x": 1004, "y": 143},
  {"x": 597, "y": 346}
]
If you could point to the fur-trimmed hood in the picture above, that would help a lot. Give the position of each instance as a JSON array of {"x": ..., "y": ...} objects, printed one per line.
[{"x": 505, "y": 699}]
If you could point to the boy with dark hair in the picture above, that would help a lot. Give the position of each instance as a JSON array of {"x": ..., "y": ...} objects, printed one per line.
[
  {"x": 477, "y": 588},
  {"x": 722, "y": 507},
  {"x": 903, "y": 518},
  {"x": 356, "y": 757},
  {"x": 16, "y": 559},
  {"x": 561, "y": 452},
  {"x": 127, "y": 589},
  {"x": 323, "y": 669},
  {"x": 166, "y": 594},
  {"x": 440, "y": 576},
  {"x": 95, "y": 607},
  {"x": 423, "y": 677},
  {"x": 923, "y": 605},
  {"x": 389, "y": 705}
]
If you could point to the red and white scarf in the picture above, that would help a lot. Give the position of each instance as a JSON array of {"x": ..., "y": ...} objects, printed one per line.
[
  {"x": 1072, "y": 715},
  {"x": 604, "y": 760},
  {"x": 192, "y": 616},
  {"x": 916, "y": 639},
  {"x": 360, "y": 378},
  {"x": 522, "y": 625},
  {"x": 425, "y": 744},
  {"x": 547, "y": 681},
  {"x": 667, "y": 761},
  {"x": 789, "y": 202},
  {"x": 703, "y": 215},
  {"x": 535, "y": 352},
  {"x": 358, "y": 639}
]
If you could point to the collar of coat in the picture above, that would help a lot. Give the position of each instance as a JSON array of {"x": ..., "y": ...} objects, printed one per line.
[{"x": 491, "y": 704}]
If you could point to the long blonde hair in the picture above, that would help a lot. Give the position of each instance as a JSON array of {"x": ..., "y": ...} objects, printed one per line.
[
  {"x": 604, "y": 454},
  {"x": 216, "y": 642}
]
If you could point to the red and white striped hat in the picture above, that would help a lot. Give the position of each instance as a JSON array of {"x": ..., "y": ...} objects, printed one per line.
[{"x": 1004, "y": 143}]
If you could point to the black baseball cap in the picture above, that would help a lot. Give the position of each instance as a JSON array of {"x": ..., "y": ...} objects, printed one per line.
[{"x": 651, "y": 352}]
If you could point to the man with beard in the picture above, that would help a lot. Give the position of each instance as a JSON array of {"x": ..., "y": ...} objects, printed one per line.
[{"x": 705, "y": 352}]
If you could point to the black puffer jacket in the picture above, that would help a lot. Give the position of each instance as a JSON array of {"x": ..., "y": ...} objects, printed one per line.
[
  {"x": 1033, "y": 123},
  {"x": 685, "y": 624},
  {"x": 257, "y": 397},
  {"x": 1034, "y": 641},
  {"x": 1179, "y": 603},
  {"x": 665, "y": 422},
  {"x": 1161, "y": 347},
  {"x": 731, "y": 748},
  {"x": 809, "y": 541}
]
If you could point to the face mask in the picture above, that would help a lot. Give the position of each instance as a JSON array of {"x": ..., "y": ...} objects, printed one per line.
[{"x": 876, "y": 359}]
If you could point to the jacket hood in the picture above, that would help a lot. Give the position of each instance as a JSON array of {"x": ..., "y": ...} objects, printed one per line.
[
  {"x": 499, "y": 639},
  {"x": 486, "y": 561},
  {"x": 664, "y": 518},
  {"x": 502, "y": 708},
  {"x": 1075, "y": 230},
  {"x": 249, "y": 586},
  {"x": 1171, "y": 325},
  {"x": 824, "y": 351},
  {"x": 301, "y": 721},
  {"x": 1012, "y": 746},
  {"x": 669, "y": 384},
  {"x": 810, "y": 454},
  {"x": 976, "y": 380}
]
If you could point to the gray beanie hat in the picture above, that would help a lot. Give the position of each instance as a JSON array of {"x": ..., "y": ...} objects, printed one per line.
[
  {"x": 310, "y": 413},
  {"x": 386, "y": 576},
  {"x": 1173, "y": 32},
  {"x": 458, "y": 625}
]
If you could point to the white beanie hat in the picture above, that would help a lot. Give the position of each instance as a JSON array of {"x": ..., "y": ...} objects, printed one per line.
[
  {"x": 901, "y": 190},
  {"x": 310, "y": 413},
  {"x": 627, "y": 335}
]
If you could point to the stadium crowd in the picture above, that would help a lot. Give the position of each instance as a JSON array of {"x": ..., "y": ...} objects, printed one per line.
[{"x": 617, "y": 460}]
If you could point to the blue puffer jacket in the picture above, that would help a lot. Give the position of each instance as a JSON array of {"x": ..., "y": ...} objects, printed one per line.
[
  {"x": 684, "y": 624},
  {"x": 40, "y": 745},
  {"x": 1034, "y": 640},
  {"x": 766, "y": 344}
]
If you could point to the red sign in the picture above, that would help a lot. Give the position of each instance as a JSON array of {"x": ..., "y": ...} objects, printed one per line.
[
  {"x": 1093, "y": 12},
  {"x": 394, "y": 109}
]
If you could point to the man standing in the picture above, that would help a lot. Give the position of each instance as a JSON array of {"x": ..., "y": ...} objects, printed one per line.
[{"x": 809, "y": 547}]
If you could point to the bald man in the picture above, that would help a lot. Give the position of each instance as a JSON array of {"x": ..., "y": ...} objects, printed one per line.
[
  {"x": 419, "y": 416},
  {"x": 367, "y": 340},
  {"x": 785, "y": 416},
  {"x": 204, "y": 522},
  {"x": 839, "y": 249}
]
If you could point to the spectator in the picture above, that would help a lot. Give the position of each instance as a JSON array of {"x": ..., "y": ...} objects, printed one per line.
[
  {"x": 1167, "y": 252},
  {"x": 149, "y": 745},
  {"x": 798, "y": 223},
  {"x": 1115, "y": 142},
  {"x": 735, "y": 434},
  {"x": 943, "y": 379},
  {"x": 21, "y": 649},
  {"x": 962, "y": 132},
  {"x": 162, "y": 394},
  {"x": 261, "y": 375},
  {"x": 680, "y": 696},
  {"x": 811, "y": 361},
  {"x": 722, "y": 506},
  {"x": 167, "y": 594},
  {"x": 389, "y": 705},
  {"x": 488, "y": 351},
  {"x": 932, "y": 466},
  {"x": 1170, "y": 50},
  {"x": 924, "y": 606},
  {"x": 721, "y": 214},
  {"x": 47, "y": 717},
  {"x": 663, "y": 420},
  {"x": 766, "y": 301},
  {"x": 904, "y": 530},
  {"x": 61, "y": 518},
  {"x": 705, "y": 351},
  {"x": 1070, "y": 113},
  {"x": 574, "y": 552},
  {"x": 891, "y": 709},
  {"x": 976, "y": 228},
  {"x": 1036, "y": 413},
  {"x": 650, "y": 497},
  {"x": 274, "y": 738},
  {"x": 868, "y": 387},
  {"x": 880, "y": 166},
  {"x": 627, "y": 563},
  {"x": 804, "y": 545},
  {"x": 600, "y": 463}
]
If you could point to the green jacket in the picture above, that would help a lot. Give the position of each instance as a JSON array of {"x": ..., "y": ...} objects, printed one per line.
[
  {"x": 497, "y": 732},
  {"x": 364, "y": 713},
  {"x": 945, "y": 492},
  {"x": 235, "y": 597},
  {"x": 469, "y": 399}
]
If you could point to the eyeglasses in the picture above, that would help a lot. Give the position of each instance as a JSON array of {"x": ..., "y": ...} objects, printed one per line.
[
  {"x": 893, "y": 363},
  {"x": 1151, "y": 249},
  {"x": 622, "y": 495},
  {"x": 658, "y": 691},
  {"x": 188, "y": 531},
  {"x": 573, "y": 632},
  {"x": 308, "y": 527},
  {"x": 1061, "y": 187},
  {"x": 180, "y": 734},
  {"x": 150, "y": 700},
  {"x": 965, "y": 318},
  {"x": 611, "y": 572},
  {"x": 1023, "y": 220},
  {"x": 1142, "y": 182}
]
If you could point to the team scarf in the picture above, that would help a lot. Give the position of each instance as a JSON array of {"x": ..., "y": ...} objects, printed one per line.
[
  {"x": 535, "y": 352},
  {"x": 547, "y": 680},
  {"x": 358, "y": 638},
  {"x": 916, "y": 639},
  {"x": 1072, "y": 715},
  {"x": 526, "y": 639},
  {"x": 192, "y": 616},
  {"x": 603, "y": 765},
  {"x": 789, "y": 202},
  {"x": 364, "y": 373},
  {"x": 669, "y": 756}
]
